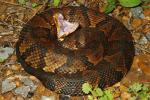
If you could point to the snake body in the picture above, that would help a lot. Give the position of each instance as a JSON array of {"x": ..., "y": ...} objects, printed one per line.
[{"x": 100, "y": 51}]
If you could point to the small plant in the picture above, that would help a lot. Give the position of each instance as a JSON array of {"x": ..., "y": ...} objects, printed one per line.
[
  {"x": 56, "y": 2},
  {"x": 24, "y": 3},
  {"x": 130, "y": 3},
  {"x": 139, "y": 91},
  {"x": 96, "y": 93},
  {"x": 110, "y": 6},
  {"x": 125, "y": 3}
]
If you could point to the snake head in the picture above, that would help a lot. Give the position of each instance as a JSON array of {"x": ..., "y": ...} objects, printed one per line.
[{"x": 63, "y": 26}]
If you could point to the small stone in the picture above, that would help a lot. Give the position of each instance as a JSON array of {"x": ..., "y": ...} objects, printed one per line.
[
  {"x": 136, "y": 22},
  {"x": 136, "y": 36},
  {"x": 142, "y": 16},
  {"x": 23, "y": 91},
  {"x": 148, "y": 35},
  {"x": 143, "y": 40},
  {"x": 7, "y": 85},
  {"x": 137, "y": 12},
  {"x": 5, "y": 53},
  {"x": 64, "y": 97},
  {"x": 29, "y": 82},
  {"x": 47, "y": 98}
]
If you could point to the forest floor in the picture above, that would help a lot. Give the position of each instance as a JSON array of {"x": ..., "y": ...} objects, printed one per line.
[{"x": 16, "y": 84}]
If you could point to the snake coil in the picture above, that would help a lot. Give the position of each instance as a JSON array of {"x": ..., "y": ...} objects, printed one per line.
[{"x": 97, "y": 49}]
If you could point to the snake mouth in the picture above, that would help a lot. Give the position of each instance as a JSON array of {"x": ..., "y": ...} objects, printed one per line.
[{"x": 63, "y": 26}]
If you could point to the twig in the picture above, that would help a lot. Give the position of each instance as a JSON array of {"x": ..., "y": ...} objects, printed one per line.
[
  {"x": 22, "y": 22},
  {"x": 137, "y": 46},
  {"x": 6, "y": 33}
]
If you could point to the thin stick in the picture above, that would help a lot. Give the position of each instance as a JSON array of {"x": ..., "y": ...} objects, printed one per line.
[{"x": 137, "y": 46}]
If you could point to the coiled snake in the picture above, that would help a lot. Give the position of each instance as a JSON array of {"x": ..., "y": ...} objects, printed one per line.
[{"x": 66, "y": 47}]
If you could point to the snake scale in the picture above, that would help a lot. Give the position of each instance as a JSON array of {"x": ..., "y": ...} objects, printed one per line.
[{"x": 66, "y": 47}]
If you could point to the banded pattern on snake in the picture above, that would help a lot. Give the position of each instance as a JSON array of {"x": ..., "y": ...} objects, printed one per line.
[{"x": 66, "y": 47}]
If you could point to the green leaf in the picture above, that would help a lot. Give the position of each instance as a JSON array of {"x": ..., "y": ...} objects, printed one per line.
[
  {"x": 110, "y": 6},
  {"x": 130, "y": 3},
  {"x": 94, "y": 94},
  {"x": 145, "y": 88},
  {"x": 86, "y": 88},
  {"x": 148, "y": 96},
  {"x": 136, "y": 87},
  {"x": 22, "y": 2},
  {"x": 34, "y": 5},
  {"x": 99, "y": 91},
  {"x": 143, "y": 95},
  {"x": 140, "y": 91},
  {"x": 108, "y": 94},
  {"x": 56, "y": 2},
  {"x": 103, "y": 98},
  {"x": 132, "y": 98},
  {"x": 90, "y": 97}
]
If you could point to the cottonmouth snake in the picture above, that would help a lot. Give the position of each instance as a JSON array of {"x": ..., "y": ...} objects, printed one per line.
[{"x": 97, "y": 49}]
